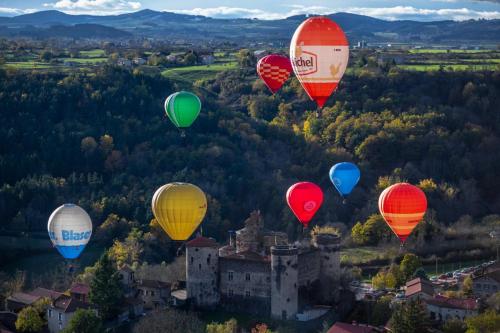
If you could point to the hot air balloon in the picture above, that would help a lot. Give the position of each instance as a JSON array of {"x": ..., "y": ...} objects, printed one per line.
[
  {"x": 304, "y": 199},
  {"x": 344, "y": 177},
  {"x": 319, "y": 52},
  {"x": 179, "y": 208},
  {"x": 182, "y": 108},
  {"x": 69, "y": 230},
  {"x": 403, "y": 206},
  {"x": 274, "y": 70}
]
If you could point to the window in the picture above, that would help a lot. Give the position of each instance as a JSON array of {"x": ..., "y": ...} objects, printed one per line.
[
  {"x": 192, "y": 259},
  {"x": 50, "y": 313},
  {"x": 60, "y": 316},
  {"x": 247, "y": 276},
  {"x": 230, "y": 276},
  {"x": 230, "y": 292},
  {"x": 247, "y": 293},
  {"x": 60, "y": 326},
  {"x": 199, "y": 267},
  {"x": 208, "y": 259},
  {"x": 478, "y": 286},
  {"x": 152, "y": 293}
]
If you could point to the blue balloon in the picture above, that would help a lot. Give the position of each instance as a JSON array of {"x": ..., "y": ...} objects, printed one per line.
[{"x": 344, "y": 177}]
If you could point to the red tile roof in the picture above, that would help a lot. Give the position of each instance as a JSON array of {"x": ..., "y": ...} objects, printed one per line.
[
  {"x": 69, "y": 304},
  {"x": 80, "y": 288},
  {"x": 202, "y": 242},
  {"x": 350, "y": 328},
  {"x": 419, "y": 285},
  {"x": 453, "y": 303}
]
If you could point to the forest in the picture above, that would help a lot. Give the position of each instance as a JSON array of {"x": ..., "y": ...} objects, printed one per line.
[{"x": 102, "y": 140}]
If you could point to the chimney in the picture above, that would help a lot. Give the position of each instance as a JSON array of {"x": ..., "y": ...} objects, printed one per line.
[{"x": 232, "y": 242}]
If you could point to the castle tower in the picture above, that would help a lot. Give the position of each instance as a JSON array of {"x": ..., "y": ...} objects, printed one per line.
[
  {"x": 202, "y": 268},
  {"x": 329, "y": 246},
  {"x": 284, "y": 282}
]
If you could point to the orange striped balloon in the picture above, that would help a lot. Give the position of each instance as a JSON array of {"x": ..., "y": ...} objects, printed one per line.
[{"x": 403, "y": 206}]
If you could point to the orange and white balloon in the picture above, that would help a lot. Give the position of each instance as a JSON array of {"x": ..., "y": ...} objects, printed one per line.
[{"x": 319, "y": 53}]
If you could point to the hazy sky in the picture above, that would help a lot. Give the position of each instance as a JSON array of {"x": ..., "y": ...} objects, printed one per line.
[{"x": 423, "y": 10}]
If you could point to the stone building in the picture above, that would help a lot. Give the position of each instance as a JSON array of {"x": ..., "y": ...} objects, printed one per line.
[{"x": 260, "y": 272}]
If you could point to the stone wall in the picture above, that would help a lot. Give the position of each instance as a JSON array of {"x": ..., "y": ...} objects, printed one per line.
[
  {"x": 309, "y": 266},
  {"x": 284, "y": 282},
  {"x": 202, "y": 275}
]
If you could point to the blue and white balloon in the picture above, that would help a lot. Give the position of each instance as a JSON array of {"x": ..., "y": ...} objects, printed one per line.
[
  {"x": 69, "y": 230},
  {"x": 344, "y": 177}
]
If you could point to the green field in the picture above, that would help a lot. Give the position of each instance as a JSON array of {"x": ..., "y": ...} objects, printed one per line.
[
  {"x": 193, "y": 73},
  {"x": 85, "y": 60},
  {"x": 447, "y": 51},
  {"x": 97, "y": 53},
  {"x": 449, "y": 67},
  {"x": 28, "y": 65},
  {"x": 361, "y": 255}
]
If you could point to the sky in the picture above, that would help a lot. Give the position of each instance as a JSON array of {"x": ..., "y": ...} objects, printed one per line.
[{"x": 421, "y": 10}]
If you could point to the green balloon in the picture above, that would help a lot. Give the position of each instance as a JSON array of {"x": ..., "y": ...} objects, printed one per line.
[{"x": 182, "y": 108}]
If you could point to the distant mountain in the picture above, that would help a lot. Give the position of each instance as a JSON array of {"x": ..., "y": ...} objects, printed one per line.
[{"x": 166, "y": 25}]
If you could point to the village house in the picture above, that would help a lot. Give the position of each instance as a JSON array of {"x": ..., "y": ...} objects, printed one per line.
[
  {"x": 419, "y": 289},
  {"x": 20, "y": 300},
  {"x": 61, "y": 310},
  {"x": 155, "y": 294},
  {"x": 80, "y": 291},
  {"x": 442, "y": 308},
  {"x": 487, "y": 283}
]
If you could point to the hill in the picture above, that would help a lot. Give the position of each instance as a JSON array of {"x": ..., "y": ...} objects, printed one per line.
[{"x": 166, "y": 25}]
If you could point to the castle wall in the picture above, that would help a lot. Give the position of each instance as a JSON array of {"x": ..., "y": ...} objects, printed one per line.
[
  {"x": 284, "y": 282},
  {"x": 202, "y": 275},
  {"x": 245, "y": 285},
  {"x": 309, "y": 267}
]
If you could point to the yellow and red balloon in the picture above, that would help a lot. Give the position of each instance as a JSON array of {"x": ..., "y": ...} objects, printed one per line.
[
  {"x": 403, "y": 207},
  {"x": 319, "y": 53}
]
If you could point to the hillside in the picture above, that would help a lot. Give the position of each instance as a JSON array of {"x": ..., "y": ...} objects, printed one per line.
[{"x": 166, "y": 25}]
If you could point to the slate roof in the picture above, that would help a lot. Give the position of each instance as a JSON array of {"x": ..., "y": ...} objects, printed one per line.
[{"x": 248, "y": 255}]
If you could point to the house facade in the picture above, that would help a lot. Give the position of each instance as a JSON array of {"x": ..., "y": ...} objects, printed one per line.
[
  {"x": 60, "y": 312},
  {"x": 441, "y": 308}
]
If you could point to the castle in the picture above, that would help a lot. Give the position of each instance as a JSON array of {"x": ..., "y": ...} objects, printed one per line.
[{"x": 260, "y": 272}]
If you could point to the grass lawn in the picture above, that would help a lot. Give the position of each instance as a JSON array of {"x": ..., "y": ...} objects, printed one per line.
[
  {"x": 361, "y": 255},
  {"x": 97, "y": 53},
  {"x": 194, "y": 73}
]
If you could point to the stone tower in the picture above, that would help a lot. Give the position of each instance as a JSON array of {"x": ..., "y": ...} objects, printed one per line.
[
  {"x": 329, "y": 246},
  {"x": 202, "y": 269},
  {"x": 284, "y": 282}
]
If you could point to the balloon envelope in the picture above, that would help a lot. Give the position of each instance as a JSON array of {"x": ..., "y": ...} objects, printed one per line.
[
  {"x": 182, "y": 108},
  {"x": 274, "y": 70},
  {"x": 69, "y": 230},
  {"x": 403, "y": 206},
  {"x": 179, "y": 208},
  {"x": 304, "y": 199},
  {"x": 319, "y": 53},
  {"x": 344, "y": 177}
]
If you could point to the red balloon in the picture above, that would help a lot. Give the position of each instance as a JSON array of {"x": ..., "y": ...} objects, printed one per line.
[
  {"x": 274, "y": 70},
  {"x": 304, "y": 200},
  {"x": 319, "y": 52},
  {"x": 403, "y": 206}
]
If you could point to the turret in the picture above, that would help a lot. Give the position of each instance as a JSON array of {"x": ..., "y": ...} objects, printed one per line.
[
  {"x": 329, "y": 246},
  {"x": 202, "y": 268},
  {"x": 229, "y": 249},
  {"x": 284, "y": 282}
]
